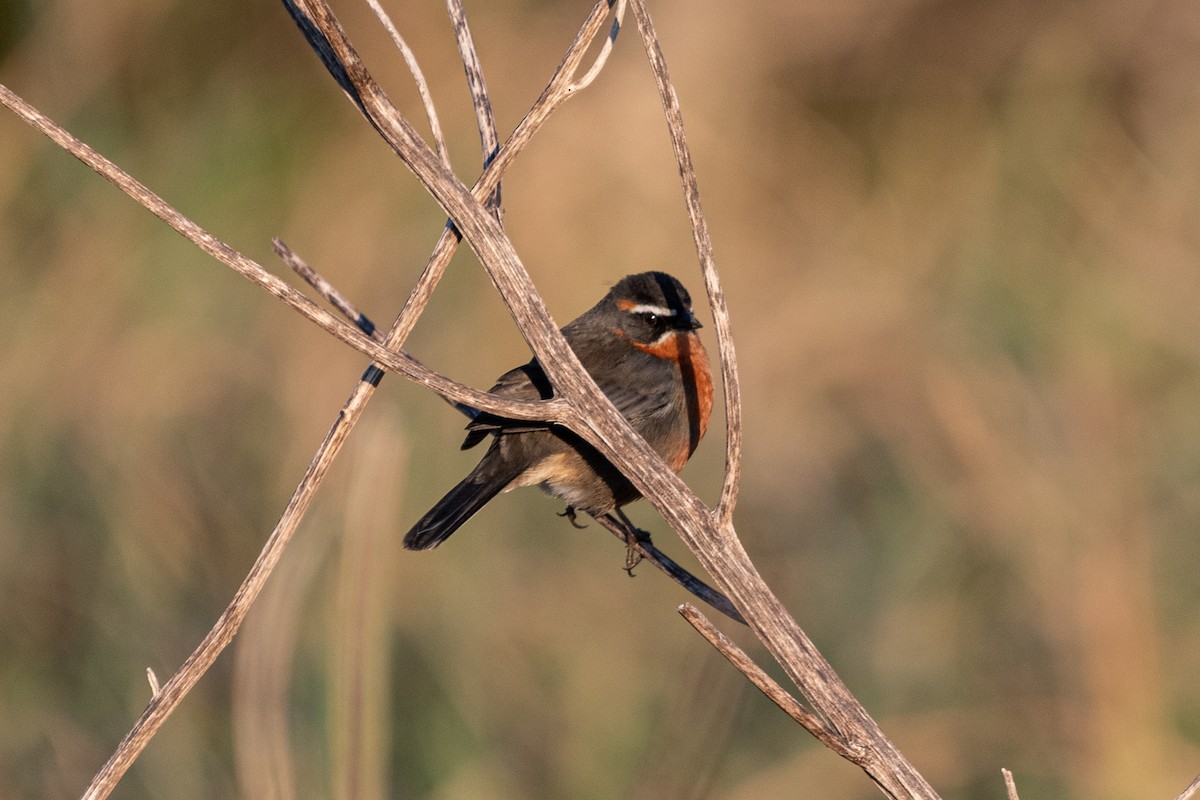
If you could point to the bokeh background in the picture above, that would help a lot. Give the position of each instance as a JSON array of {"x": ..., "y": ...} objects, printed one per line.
[{"x": 961, "y": 251}]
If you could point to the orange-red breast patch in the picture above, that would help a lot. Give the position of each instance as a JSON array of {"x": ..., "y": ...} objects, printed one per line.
[{"x": 686, "y": 349}]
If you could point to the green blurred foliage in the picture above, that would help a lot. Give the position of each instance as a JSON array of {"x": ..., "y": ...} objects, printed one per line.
[{"x": 959, "y": 245}]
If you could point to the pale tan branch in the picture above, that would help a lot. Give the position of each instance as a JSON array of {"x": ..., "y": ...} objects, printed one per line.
[
  {"x": 193, "y": 668},
  {"x": 155, "y": 688},
  {"x": 1010, "y": 785},
  {"x": 399, "y": 362},
  {"x": 605, "y": 51},
  {"x": 708, "y": 264},
  {"x": 767, "y": 685},
  {"x": 485, "y": 118},
  {"x": 1191, "y": 789},
  {"x": 410, "y": 59}
]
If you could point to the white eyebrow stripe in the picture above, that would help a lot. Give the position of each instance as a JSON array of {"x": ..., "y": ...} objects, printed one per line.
[{"x": 643, "y": 308}]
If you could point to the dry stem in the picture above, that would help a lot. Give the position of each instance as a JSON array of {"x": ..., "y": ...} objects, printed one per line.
[
  {"x": 326, "y": 289},
  {"x": 435, "y": 126},
  {"x": 1191, "y": 789},
  {"x": 396, "y": 361},
  {"x": 708, "y": 264},
  {"x": 1010, "y": 785},
  {"x": 764, "y": 682}
]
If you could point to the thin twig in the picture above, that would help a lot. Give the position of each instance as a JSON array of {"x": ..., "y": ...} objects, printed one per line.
[
  {"x": 605, "y": 50},
  {"x": 1010, "y": 784},
  {"x": 326, "y": 289},
  {"x": 342, "y": 304},
  {"x": 542, "y": 410},
  {"x": 222, "y": 632},
  {"x": 485, "y": 118},
  {"x": 708, "y": 265},
  {"x": 435, "y": 127},
  {"x": 1191, "y": 789},
  {"x": 766, "y": 684}
]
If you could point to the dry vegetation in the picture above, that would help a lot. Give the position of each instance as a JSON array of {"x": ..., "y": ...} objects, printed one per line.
[{"x": 960, "y": 247}]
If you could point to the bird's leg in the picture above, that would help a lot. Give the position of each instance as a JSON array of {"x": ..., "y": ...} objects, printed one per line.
[
  {"x": 639, "y": 535},
  {"x": 633, "y": 536},
  {"x": 659, "y": 559},
  {"x": 570, "y": 515}
]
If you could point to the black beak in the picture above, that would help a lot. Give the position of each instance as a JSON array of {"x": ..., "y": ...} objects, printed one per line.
[{"x": 690, "y": 322}]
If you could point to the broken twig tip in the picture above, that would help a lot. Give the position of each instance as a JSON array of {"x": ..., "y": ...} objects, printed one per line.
[{"x": 1010, "y": 785}]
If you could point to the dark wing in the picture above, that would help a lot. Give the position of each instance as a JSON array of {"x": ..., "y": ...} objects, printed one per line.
[
  {"x": 526, "y": 382},
  {"x": 637, "y": 383},
  {"x": 640, "y": 387}
]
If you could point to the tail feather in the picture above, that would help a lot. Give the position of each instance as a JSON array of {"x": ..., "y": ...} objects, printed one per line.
[{"x": 458, "y": 506}]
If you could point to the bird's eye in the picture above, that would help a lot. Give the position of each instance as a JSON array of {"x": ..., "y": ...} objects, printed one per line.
[{"x": 651, "y": 318}]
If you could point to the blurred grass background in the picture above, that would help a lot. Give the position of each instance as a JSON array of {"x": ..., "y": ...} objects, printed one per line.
[{"x": 960, "y": 245}]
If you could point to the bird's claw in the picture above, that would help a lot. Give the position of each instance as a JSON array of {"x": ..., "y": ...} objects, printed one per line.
[
  {"x": 633, "y": 556},
  {"x": 570, "y": 514}
]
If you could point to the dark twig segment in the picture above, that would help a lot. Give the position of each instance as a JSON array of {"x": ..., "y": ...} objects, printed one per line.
[
  {"x": 485, "y": 118},
  {"x": 326, "y": 289},
  {"x": 658, "y": 558}
]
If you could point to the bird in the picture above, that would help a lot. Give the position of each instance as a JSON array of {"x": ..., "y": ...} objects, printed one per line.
[{"x": 639, "y": 343}]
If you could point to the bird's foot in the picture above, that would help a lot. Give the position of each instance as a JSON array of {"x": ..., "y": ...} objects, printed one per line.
[
  {"x": 633, "y": 537},
  {"x": 570, "y": 514},
  {"x": 632, "y": 557}
]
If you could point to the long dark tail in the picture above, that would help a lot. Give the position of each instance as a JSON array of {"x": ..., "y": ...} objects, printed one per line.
[{"x": 458, "y": 506}]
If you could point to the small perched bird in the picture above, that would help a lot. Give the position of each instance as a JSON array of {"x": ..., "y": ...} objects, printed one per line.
[{"x": 639, "y": 344}]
